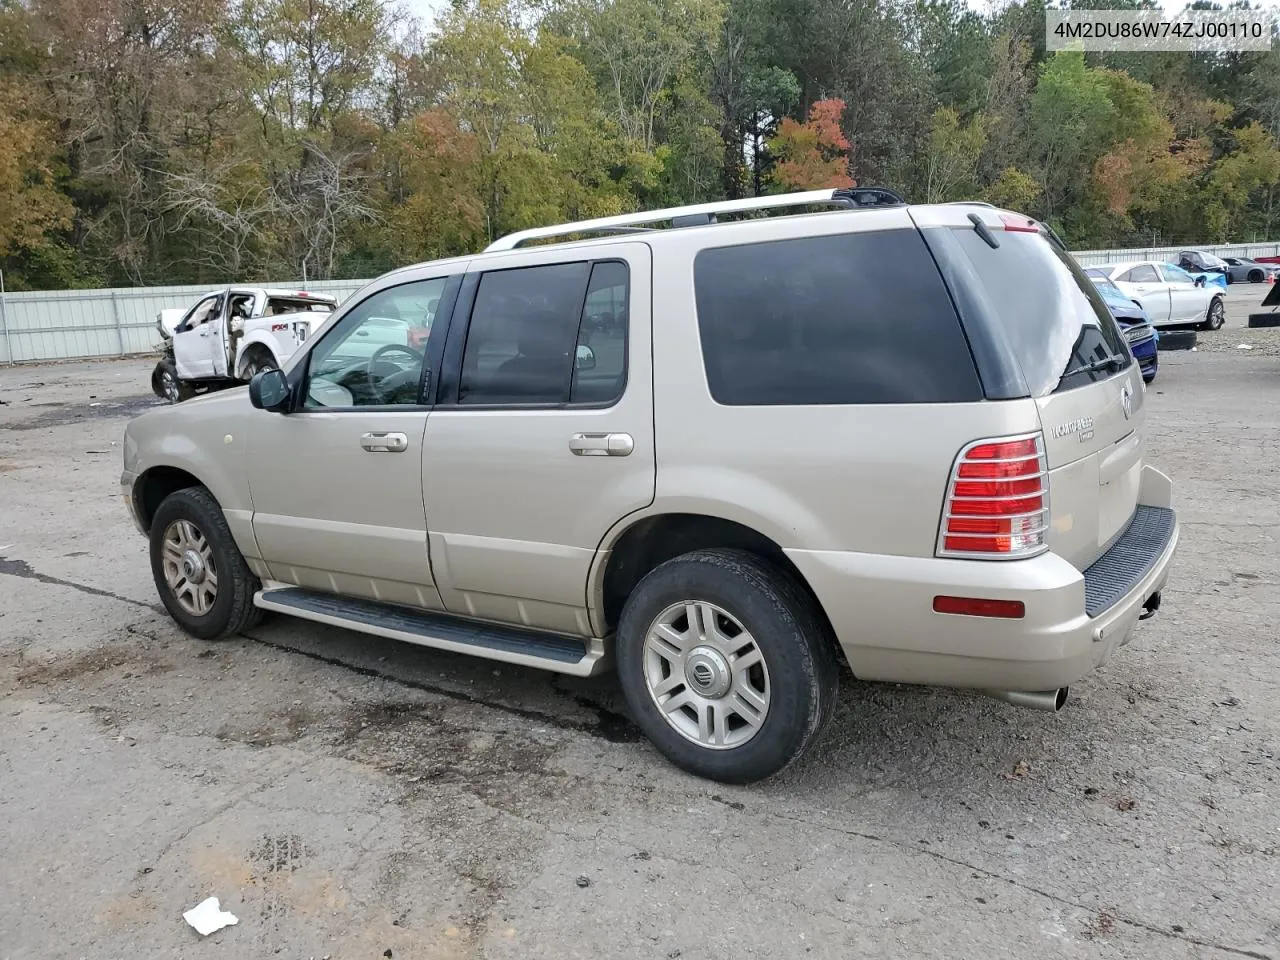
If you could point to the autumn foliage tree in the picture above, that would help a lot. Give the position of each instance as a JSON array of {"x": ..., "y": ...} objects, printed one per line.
[{"x": 813, "y": 155}]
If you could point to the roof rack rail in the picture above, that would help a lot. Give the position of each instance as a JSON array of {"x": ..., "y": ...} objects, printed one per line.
[{"x": 700, "y": 214}]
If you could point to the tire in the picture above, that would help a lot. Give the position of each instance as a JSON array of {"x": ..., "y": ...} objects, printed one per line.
[
  {"x": 231, "y": 608},
  {"x": 166, "y": 385},
  {"x": 1257, "y": 320},
  {"x": 1216, "y": 316},
  {"x": 1255, "y": 276},
  {"x": 258, "y": 360},
  {"x": 1177, "y": 340},
  {"x": 797, "y": 667}
]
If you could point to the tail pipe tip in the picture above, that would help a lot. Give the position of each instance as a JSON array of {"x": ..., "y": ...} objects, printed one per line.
[{"x": 1050, "y": 700}]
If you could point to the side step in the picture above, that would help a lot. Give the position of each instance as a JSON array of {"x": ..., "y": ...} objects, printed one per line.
[{"x": 531, "y": 648}]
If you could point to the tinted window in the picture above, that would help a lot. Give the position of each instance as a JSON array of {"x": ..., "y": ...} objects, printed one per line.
[
  {"x": 375, "y": 354},
  {"x": 600, "y": 371},
  {"x": 853, "y": 318},
  {"x": 523, "y": 335},
  {"x": 1053, "y": 316},
  {"x": 1144, "y": 273}
]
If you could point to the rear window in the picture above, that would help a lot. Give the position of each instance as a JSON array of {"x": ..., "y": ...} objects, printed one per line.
[
  {"x": 845, "y": 319},
  {"x": 1052, "y": 315}
]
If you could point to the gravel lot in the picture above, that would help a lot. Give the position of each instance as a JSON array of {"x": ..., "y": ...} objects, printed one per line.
[{"x": 349, "y": 797}]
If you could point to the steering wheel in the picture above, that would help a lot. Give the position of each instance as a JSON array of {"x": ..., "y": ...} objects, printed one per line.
[{"x": 384, "y": 387}]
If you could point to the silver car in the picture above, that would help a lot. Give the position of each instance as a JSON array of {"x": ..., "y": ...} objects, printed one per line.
[
  {"x": 1245, "y": 270},
  {"x": 731, "y": 459}
]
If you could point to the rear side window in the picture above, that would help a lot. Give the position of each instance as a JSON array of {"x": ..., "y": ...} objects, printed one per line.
[
  {"x": 1053, "y": 317},
  {"x": 845, "y": 319}
]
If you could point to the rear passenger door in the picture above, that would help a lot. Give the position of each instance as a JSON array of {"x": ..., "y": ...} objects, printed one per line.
[{"x": 541, "y": 438}]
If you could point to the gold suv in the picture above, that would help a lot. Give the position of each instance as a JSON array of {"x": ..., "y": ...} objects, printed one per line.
[{"x": 717, "y": 448}]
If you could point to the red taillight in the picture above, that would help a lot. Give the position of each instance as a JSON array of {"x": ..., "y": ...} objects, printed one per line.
[
  {"x": 997, "y": 503},
  {"x": 976, "y": 607}
]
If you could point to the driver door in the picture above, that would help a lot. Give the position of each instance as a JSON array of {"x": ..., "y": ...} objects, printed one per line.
[
  {"x": 192, "y": 354},
  {"x": 337, "y": 481},
  {"x": 1145, "y": 285},
  {"x": 1188, "y": 303}
]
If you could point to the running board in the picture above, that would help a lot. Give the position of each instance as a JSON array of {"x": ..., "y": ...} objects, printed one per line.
[{"x": 531, "y": 648}]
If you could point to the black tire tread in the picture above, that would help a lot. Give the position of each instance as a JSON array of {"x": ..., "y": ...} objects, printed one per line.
[
  {"x": 792, "y": 602},
  {"x": 198, "y": 504}
]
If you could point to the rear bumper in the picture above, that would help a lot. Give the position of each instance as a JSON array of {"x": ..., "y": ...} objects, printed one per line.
[{"x": 881, "y": 608}]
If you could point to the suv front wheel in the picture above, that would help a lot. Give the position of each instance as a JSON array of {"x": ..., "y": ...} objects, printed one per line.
[
  {"x": 726, "y": 664},
  {"x": 202, "y": 578}
]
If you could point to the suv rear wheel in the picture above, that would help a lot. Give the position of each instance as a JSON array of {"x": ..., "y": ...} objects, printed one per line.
[
  {"x": 202, "y": 578},
  {"x": 726, "y": 664}
]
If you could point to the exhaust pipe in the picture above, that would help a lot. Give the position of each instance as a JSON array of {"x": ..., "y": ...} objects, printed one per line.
[{"x": 1051, "y": 700}]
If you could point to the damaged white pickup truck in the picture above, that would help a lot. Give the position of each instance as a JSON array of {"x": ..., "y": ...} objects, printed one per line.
[{"x": 231, "y": 334}]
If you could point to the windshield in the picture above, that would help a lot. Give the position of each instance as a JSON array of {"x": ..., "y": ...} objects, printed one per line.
[{"x": 1053, "y": 316}]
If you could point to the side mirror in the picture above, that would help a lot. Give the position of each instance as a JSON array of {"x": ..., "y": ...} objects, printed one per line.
[
  {"x": 269, "y": 390},
  {"x": 586, "y": 358},
  {"x": 1199, "y": 281}
]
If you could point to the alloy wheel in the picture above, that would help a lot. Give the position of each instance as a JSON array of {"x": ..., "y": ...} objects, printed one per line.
[
  {"x": 189, "y": 569},
  {"x": 707, "y": 674}
]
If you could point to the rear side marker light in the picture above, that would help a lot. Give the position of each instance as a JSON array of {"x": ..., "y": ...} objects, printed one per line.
[
  {"x": 997, "y": 501},
  {"x": 976, "y": 607}
]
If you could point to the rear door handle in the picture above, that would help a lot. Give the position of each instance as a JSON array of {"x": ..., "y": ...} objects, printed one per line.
[
  {"x": 602, "y": 444},
  {"x": 385, "y": 442}
]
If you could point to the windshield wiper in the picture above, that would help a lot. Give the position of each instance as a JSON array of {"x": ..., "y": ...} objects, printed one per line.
[{"x": 1109, "y": 362}]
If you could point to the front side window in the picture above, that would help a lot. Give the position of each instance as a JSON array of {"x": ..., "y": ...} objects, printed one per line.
[
  {"x": 522, "y": 339},
  {"x": 842, "y": 319},
  {"x": 204, "y": 311},
  {"x": 1143, "y": 273},
  {"x": 1173, "y": 274},
  {"x": 376, "y": 354}
]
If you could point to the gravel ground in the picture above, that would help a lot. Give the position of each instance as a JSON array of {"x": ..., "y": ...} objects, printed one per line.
[{"x": 349, "y": 797}]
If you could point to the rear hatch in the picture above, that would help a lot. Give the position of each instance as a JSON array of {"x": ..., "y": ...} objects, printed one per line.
[{"x": 1078, "y": 368}]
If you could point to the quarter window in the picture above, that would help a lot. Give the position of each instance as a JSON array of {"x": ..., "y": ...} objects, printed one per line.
[{"x": 849, "y": 318}]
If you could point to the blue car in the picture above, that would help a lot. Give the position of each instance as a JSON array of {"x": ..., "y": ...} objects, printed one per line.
[{"x": 1143, "y": 338}]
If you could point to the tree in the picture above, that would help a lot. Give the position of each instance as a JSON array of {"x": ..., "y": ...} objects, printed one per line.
[
  {"x": 953, "y": 154},
  {"x": 31, "y": 206},
  {"x": 815, "y": 154}
]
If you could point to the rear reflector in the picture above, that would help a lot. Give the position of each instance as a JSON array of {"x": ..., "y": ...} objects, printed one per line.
[
  {"x": 976, "y": 607},
  {"x": 997, "y": 503}
]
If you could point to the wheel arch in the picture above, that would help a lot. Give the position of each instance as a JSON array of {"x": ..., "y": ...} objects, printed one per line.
[
  {"x": 154, "y": 485},
  {"x": 640, "y": 544},
  {"x": 254, "y": 340}
]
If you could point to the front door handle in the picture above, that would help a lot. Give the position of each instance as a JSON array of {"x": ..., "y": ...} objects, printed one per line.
[
  {"x": 385, "y": 442},
  {"x": 602, "y": 444}
]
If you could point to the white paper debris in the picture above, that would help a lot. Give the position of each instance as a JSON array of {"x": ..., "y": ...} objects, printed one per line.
[
  {"x": 1244, "y": 346},
  {"x": 208, "y": 916}
]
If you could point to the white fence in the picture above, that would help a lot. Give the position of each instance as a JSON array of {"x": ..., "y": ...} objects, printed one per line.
[
  {"x": 1093, "y": 258},
  {"x": 70, "y": 324}
]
